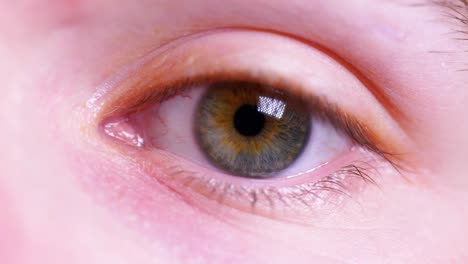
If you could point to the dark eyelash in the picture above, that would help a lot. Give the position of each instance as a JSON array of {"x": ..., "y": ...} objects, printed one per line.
[
  {"x": 358, "y": 132},
  {"x": 458, "y": 12}
]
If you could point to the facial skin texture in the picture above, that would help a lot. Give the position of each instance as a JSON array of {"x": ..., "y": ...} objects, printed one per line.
[{"x": 67, "y": 197}]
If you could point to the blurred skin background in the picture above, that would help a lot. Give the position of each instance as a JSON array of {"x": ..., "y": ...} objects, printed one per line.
[{"x": 79, "y": 182}]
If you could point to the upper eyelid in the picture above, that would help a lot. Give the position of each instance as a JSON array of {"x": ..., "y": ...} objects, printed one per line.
[
  {"x": 140, "y": 89},
  {"x": 372, "y": 86}
]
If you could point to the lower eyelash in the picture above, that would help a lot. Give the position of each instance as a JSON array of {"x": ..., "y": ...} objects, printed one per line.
[{"x": 328, "y": 192}]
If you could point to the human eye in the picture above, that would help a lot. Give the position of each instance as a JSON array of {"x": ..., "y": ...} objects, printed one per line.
[{"x": 255, "y": 121}]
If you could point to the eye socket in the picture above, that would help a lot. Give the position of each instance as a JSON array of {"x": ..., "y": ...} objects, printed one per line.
[{"x": 189, "y": 101}]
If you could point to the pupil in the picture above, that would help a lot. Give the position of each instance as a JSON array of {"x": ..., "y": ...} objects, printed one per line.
[{"x": 248, "y": 121}]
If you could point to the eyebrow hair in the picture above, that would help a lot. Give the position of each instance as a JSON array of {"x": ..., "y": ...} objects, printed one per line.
[{"x": 456, "y": 10}]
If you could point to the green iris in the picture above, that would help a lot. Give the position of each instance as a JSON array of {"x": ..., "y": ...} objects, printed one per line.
[{"x": 250, "y": 130}]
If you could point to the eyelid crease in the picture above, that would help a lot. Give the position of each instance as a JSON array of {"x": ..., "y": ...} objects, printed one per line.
[{"x": 373, "y": 87}]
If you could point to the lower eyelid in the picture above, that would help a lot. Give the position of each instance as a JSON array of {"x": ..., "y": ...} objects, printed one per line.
[{"x": 299, "y": 199}]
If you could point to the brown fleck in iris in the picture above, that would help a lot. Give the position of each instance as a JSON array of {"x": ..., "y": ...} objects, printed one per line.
[{"x": 251, "y": 130}]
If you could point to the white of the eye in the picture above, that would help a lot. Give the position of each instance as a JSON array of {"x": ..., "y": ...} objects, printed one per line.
[
  {"x": 325, "y": 143},
  {"x": 171, "y": 129}
]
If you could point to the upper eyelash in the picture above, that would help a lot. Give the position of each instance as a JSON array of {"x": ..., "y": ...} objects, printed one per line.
[{"x": 322, "y": 108}]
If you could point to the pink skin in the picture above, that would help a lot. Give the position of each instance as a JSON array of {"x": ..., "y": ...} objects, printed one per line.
[{"x": 70, "y": 195}]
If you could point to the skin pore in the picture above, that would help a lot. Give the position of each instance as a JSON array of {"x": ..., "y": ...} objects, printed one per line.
[{"x": 68, "y": 194}]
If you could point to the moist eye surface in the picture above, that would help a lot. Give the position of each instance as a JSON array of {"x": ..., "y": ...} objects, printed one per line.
[{"x": 251, "y": 130}]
